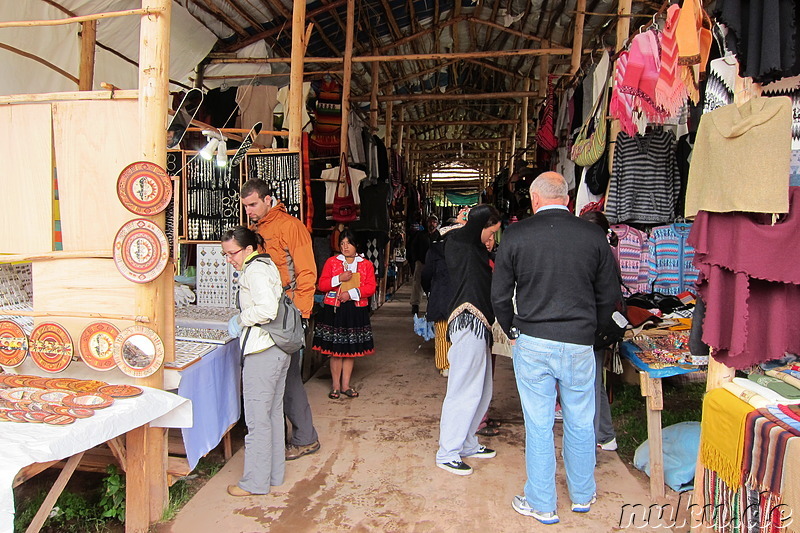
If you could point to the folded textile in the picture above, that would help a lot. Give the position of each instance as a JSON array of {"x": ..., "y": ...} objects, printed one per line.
[
  {"x": 746, "y": 395},
  {"x": 774, "y": 384},
  {"x": 785, "y": 375},
  {"x": 721, "y": 434},
  {"x": 765, "y": 445},
  {"x": 772, "y": 396},
  {"x": 791, "y": 482},
  {"x": 776, "y": 415}
]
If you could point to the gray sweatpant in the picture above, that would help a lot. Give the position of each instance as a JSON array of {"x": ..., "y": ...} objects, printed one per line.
[
  {"x": 296, "y": 407},
  {"x": 469, "y": 391},
  {"x": 603, "y": 426},
  {"x": 263, "y": 381}
]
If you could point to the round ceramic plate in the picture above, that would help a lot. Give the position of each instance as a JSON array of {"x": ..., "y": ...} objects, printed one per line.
[
  {"x": 144, "y": 188},
  {"x": 59, "y": 420},
  {"x": 51, "y": 347},
  {"x": 86, "y": 385},
  {"x": 138, "y": 351},
  {"x": 97, "y": 345},
  {"x": 13, "y": 344},
  {"x": 54, "y": 396},
  {"x": 17, "y": 394},
  {"x": 141, "y": 250},
  {"x": 89, "y": 400},
  {"x": 121, "y": 391}
]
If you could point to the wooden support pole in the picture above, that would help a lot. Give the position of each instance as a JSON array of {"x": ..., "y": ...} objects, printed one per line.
[
  {"x": 544, "y": 71},
  {"x": 296, "y": 104},
  {"x": 146, "y": 489},
  {"x": 83, "y": 18},
  {"x": 348, "y": 74},
  {"x": 69, "y": 96},
  {"x": 524, "y": 117},
  {"x": 444, "y": 96},
  {"x": 465, "y": 140},
  {"x": 651, "y": 389},
  {"x": 86, "y": 69},
  {"x": 373, "y": 99},
  {"x": 50, "y": 500},
  {"x": 577, "y": 39},
  {"x": 389, "y": 124}
]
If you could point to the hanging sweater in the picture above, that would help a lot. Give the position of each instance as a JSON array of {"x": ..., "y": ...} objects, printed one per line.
[
  {"x": 631, "y": 254},
  {"x": 722, "y": 75},
  {"x": 670, "y": 268},
  {"x": 645, "y": 182},
  {"x": 741, "y": 157}
]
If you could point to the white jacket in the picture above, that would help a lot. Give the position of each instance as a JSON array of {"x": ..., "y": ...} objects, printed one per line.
[{"x": 259, "y": 291}]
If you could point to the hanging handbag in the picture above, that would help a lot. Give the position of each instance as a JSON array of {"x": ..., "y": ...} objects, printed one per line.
[
  {"x": 545, "y": 135},
  {"x": 344, "y": 207},
  {"x": 589, "y": 147}
]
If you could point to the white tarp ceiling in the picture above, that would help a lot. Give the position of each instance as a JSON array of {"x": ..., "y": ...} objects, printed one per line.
[{"x": 190, "y": 42}]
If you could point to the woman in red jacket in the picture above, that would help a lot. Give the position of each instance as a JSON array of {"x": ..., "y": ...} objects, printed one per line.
[{"x": 343, "y": 330}]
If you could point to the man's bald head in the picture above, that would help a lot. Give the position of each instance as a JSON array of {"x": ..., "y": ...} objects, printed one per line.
[{"x": 549, "y": 188}]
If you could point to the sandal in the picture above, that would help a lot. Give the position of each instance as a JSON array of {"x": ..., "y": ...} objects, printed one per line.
[
  {"x": 334, "y": 394},
  {"x": 488, "y": 431},
  {"x": 492, "y": 423},
  {"x": 350, "y": 393}
]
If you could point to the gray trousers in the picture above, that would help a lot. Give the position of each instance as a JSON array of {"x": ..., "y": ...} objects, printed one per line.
[
  {"x": 263, "y": 381},
  {"x": 416, "y": 287},
  {"x": 296, "y": 407},
  {"x": 603, "y": 426},
  {"x": 469, "y": 391}
]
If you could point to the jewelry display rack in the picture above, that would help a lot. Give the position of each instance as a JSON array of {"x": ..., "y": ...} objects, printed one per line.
[
  {"x": 282, "y": 173},
  {"x": 211, "y": 199}
]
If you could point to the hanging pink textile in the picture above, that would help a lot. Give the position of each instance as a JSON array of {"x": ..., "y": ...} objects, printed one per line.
[
  {"x": 642, "y": 74},
  {"x": 621, "y": 105},
  {"x": 670, "y": 90}
]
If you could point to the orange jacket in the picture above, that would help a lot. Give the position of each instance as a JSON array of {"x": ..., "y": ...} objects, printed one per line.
[
  {"x": 329, "y": 280},
  {"x": 288, "y": 243}
]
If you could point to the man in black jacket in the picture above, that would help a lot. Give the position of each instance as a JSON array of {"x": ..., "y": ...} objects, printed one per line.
[{"x": 566, "y": 284}]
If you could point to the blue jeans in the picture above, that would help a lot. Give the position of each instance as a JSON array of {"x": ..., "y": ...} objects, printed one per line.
[{"x": 539, "y": 365}]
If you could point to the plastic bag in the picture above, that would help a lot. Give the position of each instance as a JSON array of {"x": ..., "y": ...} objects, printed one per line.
[{"x": 423, "y": 328}]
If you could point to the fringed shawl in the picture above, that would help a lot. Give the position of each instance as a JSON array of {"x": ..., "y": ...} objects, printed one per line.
[
  {"x": 621, "y": 106},
  {"x": 722, "y": 431},
  {"x": 670, "y": 90},
  {"x": 694, "y": 45}
]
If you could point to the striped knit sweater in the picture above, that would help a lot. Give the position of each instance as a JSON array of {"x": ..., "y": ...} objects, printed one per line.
[
  {"x": 631, "y": 253},
  {"x": 722, "y": 74},
  {"x": 645, "y": 181},
  {"x": 670, "y": 267}
]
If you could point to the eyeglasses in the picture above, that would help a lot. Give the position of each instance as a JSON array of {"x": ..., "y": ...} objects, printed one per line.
[{"x": 231, "y": 254}]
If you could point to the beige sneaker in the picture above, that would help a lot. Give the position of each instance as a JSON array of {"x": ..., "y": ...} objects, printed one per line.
[{"x": 295, "y": 452}]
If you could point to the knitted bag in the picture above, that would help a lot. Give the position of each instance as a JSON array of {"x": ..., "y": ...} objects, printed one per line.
[{"x": 589, "y": 147}]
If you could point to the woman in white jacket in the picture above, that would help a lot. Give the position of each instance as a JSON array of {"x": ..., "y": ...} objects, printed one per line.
[{"x": 264, "y": 367}]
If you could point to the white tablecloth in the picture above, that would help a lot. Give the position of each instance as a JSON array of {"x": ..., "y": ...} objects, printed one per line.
[{"x": 25, "y": 444}]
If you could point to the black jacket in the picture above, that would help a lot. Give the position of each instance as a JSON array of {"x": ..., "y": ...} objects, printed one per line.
[
  {"x": 436, "y": 282},
  {"x": 564, "y": 274}
]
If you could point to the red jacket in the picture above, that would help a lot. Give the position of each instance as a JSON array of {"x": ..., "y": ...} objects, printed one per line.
[{"x": 335, "y": 266}]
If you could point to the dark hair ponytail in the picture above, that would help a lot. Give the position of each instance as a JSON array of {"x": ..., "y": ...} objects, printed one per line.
[{"x": 244, "y": 237}]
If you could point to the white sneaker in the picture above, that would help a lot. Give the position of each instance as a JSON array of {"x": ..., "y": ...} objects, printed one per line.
[
  {"x": 609, "y": 446},
  {"x": 521, "y": 505},
  {"x": 584, "y": 507},
  {"x": 559, "y": 416}
]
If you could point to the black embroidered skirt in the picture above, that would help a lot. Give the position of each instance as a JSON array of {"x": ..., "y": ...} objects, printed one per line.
[{"x": 344, "y": 331}]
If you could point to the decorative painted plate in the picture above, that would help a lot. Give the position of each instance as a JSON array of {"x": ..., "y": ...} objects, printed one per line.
[
  {"x": 77, "y": 412},
  {"x": 59, "y": 383},
  {"x": 121, "y": 391},
  {"x": 59, "y": 420},
  {"x": 19, "y": 380},
  {"x": 138, "y": 351},
  {"x": 51, "y": 347},
  {"x": 141, "y": 250},
  {"x": 17, "y": 394},
  {"x": 89, "y": 400},
  {"x": 86, "y": 385},
  {"x": 38, "y": 383},
  {"x": 13, "y": 344},
  {"x": 144, "y": 188},
  {"x": 97, "y": 345},
  {"x": 54, "y": 396}
]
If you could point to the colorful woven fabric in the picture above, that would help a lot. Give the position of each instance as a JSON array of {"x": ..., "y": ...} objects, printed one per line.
[
  {"x": 722, "y": 431},
  {"x": 670, "y": 267},
  {"x": 328, "y": 119},
  {"x": 632, "y": 253},
  {"x": 765, "y": 445},
  {"x": 642, "y": 74},
  {"x": 670, "y": 90},
  {"x": 621, "y": 105}
]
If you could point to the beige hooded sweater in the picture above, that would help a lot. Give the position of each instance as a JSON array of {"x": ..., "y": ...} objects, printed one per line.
[{"x": 740, "y": 160}]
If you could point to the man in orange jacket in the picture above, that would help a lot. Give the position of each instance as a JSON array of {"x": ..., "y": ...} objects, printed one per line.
[{"x": 288, "y": 243}]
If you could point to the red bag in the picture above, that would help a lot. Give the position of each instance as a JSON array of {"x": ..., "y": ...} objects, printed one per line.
[{"x": 344, "y": 207}]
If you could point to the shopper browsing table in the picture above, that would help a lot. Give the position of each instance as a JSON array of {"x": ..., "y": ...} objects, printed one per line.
[{"x": 264, "y": 365}]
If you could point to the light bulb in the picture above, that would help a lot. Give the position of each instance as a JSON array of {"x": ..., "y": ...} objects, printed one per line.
[
  {"x": 222, "y": 154},
  {"x": 208, "y": 151}
]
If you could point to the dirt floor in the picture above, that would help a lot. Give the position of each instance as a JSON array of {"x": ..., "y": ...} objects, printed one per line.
[{"x": 376, "y": 472}]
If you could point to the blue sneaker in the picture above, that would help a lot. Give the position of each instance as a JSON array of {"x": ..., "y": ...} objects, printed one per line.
[
  {"x": 584, "y": 507},
  {"x": 520, "y": 505}
]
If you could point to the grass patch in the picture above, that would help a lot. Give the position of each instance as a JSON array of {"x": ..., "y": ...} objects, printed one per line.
[
  {"x": 72, "y": 513},
  {"x": 682, "y": 402}
]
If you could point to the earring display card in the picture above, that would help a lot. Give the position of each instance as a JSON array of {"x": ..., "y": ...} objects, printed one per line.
[
  {"x": 282, "y": 173},
  {"x": 188, "y": 353},
  {"x": 212, "y": 199},
  {"x": 215, "y": 277}
]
